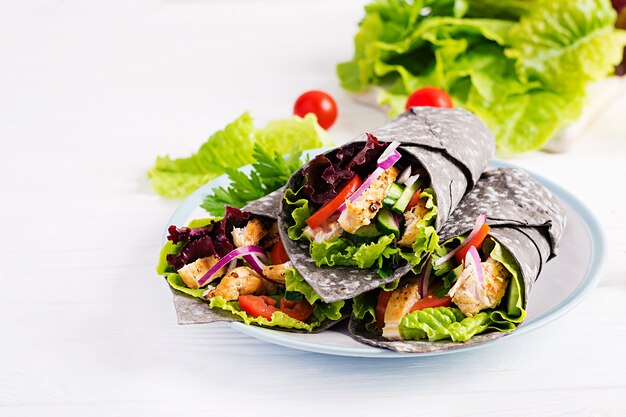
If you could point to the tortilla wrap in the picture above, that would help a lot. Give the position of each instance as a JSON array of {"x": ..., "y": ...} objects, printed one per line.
[
  {"x": 191, "y": 310},
  {"x": 452, "y": 145},
  {"x": 525, "y": 218}
]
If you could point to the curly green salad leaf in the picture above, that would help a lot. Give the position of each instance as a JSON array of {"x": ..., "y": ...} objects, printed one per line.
[
  {"x": 231, "y": 148},
  {"x": 442, "y": 323},
  {"x": 343, "y": 251},
  {"x": 521, "y": 66},
  {"x": 293, "y": 282}
]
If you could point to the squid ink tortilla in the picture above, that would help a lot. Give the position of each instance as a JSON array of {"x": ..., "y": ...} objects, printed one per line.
[
  {"x": 524, "y": 224},
  {"x": 364, "y": 214}
]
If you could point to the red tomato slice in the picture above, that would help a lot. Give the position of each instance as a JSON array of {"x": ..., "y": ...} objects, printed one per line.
[
  {"x": 257, "y": 306},
  {"x": 476, "y": 242},
  {"x": 333, "y": 205},
  {"x": 431, "y": 301},
  {"x": 381, "y": 306},
  {"x": 320, "y": 104},
  {"x": 299, "y": 310},
  {"x": 278, "y": 255},
  {"x": 414, "y": 200},
  {"x": 429, "y": 96}
]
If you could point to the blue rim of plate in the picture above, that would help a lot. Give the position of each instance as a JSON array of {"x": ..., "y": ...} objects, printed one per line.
[{"x": 590, "y": 280}]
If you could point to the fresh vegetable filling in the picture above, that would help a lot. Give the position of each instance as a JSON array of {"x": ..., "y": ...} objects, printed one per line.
[
  {"x": 471, "y": 285},
  {"x": 365, "y": 206},
  {"x": 238, "y": 263}
]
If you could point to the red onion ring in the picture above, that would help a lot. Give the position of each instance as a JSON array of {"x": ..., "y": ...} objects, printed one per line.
[
  {"x": 236, "y": 253},
  {"x": 472, "y": 258}
]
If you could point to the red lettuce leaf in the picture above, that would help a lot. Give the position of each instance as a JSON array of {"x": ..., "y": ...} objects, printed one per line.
[
  {"x": 325, "y": 175},
  {"x": 211, "y": 240}
]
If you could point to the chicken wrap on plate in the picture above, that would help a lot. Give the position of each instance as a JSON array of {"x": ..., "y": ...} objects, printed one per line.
[
  {"x": 364, "y": 214},
  {"x": 475, "y": 287},
  {"x": 235, "y": 268}
]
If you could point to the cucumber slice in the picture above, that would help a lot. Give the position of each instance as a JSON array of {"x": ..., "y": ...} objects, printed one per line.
[
  {"x": 387, "y": 223},
  {"x": 405, "y": 198},
  {"x": 368, "y": 231},
  {"x": 394, "y": 192}
]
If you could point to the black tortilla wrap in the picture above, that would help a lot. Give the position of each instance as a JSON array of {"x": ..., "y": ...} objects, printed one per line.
[
  {"x": 268, "y": 206},
  {"x": 452, "y": 145},
  {"x": 191, "y": 310},
  {"x": 519, "y": 245},
  {"x": 525, "y": 218}
]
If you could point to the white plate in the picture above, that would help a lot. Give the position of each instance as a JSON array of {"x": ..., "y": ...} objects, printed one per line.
[{"x": 563, "y": 282}]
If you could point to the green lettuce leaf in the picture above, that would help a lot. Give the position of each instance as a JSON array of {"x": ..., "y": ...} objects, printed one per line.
[
  {"x": 232, "y": 148},
  {"x": 427, "y": 239},
  {"x": 442, "y": 323},
  {"x": 300, "y": 212},
  {"x": 364, "y": 308},
  {"x": 565, "y": 43},
  {"x": 521, "y": 66},
  {"x": 343, "y": 252},
  {"x": 511, "y": 310}
]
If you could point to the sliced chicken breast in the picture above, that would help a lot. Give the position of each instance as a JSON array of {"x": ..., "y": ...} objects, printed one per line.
[
  {"x": 250, "y": 234},
  {"x": 364, "y": 208},
  {"x": 399, "y": 305},
  {"x": 472, "y": 296},
  {"x": 411, "y": 220},
  {"x": 192, "y": 272},
  {"x": 240, "y": 281},
  {"x": 277, "y": 272}
]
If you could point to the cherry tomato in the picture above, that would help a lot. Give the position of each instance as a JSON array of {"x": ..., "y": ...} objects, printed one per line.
[
  {"x": 278, "y": 255},
  {"x": 431, "y": 302},
  {"x": 257, "y": 306},
  {"x": 333, "y": 205},
  {"x": 381, "y": 306},
  {"x": 414, "y": 200},
  {"x": 429, "y": 96},
  {"x": 320, "y": 104},
  {"x": 476, "y": 242}
]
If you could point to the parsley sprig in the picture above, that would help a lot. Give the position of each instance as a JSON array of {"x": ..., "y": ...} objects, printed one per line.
[{"x": 269, "y": 173}]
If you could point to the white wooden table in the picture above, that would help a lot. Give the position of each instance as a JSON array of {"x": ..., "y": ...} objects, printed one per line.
[{"x": 91, "y": 93}]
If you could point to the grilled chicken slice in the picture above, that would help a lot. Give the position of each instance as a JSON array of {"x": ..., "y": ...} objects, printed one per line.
[
  {"x": 192, "y": 272},
  {"x": 472, "y": 296},
  {"x": 250, "y": 234},
  {"x": 325, "y": 231},
  {"x": 399, "y": 305},
  {"x": 362, "y": 211},
  {"x": 411, "y": 219},
  {"x": 240, "y": 281},
  {"x": 277, "y": 272}
]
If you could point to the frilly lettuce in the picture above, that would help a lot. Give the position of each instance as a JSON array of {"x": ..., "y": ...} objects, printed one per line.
[
  {"x": 442, "y": 323},
  {"x": 521, "y": 66},
  {"x": 344, "y": 252},
  {"x": 232, "y": 148}
]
